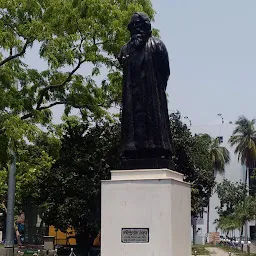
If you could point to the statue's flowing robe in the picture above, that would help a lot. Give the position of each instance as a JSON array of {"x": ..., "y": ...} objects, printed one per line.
[{"x": 145, "y": 120}]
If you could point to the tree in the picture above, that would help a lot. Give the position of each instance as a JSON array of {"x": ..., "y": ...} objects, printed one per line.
[
  {"x": 65, "y": 35},
  {"x": 229, "y": 223},
  {"x": 87, "y": 156},
  {"x": 32, "y": 161},
  {"x": 236, "y": 207},
  {"x": 251, "y": 212},
  {"x": 230, "y": 194},
  {"x": 192, "y": 158},
  {"x": 71, "y": 189},
  {"x": 244, "y": 138},
  {"x": 232, "y": 204},
  {"x": 219, "y": 157},
  {"x": 244, "y": 211}
]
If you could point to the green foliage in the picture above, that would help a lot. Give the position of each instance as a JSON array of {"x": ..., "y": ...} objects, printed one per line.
[
  {"x": 71, "y": 189},
  {"x": 252, "y": 183},
  {"x": 233, "y": 209},
  {"x": 66, "y": 35},
  {"x": 192, "y": 158},
  {"x": 3, "y": 184},
  {"x": 33, "y": 160},
  {"x": 229, "y": 194},
  {"x": 244, "y": 138},
  {"x": 236, "y": 206},
  {"x": 238, "y": 210},
  {"x": 4, "y": 157},
  {"x": 219, "y": 155},
  {"x": 200, "y": 250}
]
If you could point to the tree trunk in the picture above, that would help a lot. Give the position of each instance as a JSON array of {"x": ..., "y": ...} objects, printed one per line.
[
  {"x": 246, "y": 230},
  {"x": 194, "y": 229},
  {"x": 246, "y": 184},
  {"x": 208, "y": 218},
  {"x": 242, "y": 230},
  {"x": 246, "y": 173},
  {"x": 254, "y": 234},
  {"x": 194, "y": 234}
]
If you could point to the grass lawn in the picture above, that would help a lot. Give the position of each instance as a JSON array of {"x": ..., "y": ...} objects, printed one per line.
[
  {"x": 200, "y": 250},
  {"x": 237, "y": 252}
]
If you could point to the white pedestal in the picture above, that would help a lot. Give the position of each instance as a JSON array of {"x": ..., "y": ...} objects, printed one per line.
[
  {"x": 153, "y": 200},
  {"x": 49, "y": 242}
]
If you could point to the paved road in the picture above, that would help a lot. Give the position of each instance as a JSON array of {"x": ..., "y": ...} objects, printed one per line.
[
  {"x": 217, "y": 251},
  {"x": 253, "y": 248}
]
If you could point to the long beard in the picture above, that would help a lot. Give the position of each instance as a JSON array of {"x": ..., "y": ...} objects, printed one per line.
[{"x": 138, "y": 40}]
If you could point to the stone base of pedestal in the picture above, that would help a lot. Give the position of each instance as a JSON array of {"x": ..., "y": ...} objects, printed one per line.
[{"x": 145, "y": 212}]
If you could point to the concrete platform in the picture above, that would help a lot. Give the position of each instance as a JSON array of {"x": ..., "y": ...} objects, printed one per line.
[{"x": 145, "y": 212}]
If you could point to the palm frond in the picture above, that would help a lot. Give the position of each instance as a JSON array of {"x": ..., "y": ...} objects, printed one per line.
[
  {"x": 219, "y": 155},
  {"x": 244, "y": 140}
]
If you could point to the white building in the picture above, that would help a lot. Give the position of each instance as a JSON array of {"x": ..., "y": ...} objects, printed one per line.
[{"x": 234, "y": 172}]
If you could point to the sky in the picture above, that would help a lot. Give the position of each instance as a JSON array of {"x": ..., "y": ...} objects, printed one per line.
[{"x": 212, "y": 50}]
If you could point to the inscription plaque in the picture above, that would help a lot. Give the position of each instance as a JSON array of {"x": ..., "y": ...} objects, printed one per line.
[{"x": 135, "y": 235}]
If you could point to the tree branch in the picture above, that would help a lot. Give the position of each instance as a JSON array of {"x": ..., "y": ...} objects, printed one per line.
[
  {"x": 52, "y": 104},
  {"x": 11, "y": 57},
  {"x": 49, "y": 87},
  {"x": 26, "y": 116},
  {"x": 101, "y": 43},
  {"x": 98, "y": 43},
  {"x": 81, "y": 43}
]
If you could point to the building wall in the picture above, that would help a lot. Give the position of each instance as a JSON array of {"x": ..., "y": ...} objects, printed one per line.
[{"x": 234, "y": 171}]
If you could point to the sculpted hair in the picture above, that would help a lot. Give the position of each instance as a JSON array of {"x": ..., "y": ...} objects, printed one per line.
[{"x": 146, "y": 24}]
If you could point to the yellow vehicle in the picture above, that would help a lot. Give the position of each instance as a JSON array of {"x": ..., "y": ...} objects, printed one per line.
[{"x": 61, "y": 238}]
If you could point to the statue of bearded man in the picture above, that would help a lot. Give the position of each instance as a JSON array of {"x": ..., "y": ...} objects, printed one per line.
[{"x": 145, "y": 131}]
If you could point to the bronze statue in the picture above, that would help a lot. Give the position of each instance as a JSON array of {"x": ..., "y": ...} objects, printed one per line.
[{"x": 146, "y": 136}]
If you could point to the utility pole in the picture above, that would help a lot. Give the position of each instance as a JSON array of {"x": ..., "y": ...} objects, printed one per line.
[
  {"x": 9, "y": 240},
  {"x": 222, "y": 119},
  {"x": 222, "y": 122}
]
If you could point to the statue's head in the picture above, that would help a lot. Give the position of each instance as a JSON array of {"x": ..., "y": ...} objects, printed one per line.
[{"x": 140, "y": 28}]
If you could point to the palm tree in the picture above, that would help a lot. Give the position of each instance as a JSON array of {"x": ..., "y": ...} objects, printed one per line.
[
  {"x": 219, "y": 157},
  {"x": 244, "y": 139}
]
